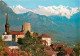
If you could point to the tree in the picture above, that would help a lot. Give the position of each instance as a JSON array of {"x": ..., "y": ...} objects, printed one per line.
[
  {"x": 35, "y": 34},
  {"x": 71, "y": 55},
  {"x": 20, "y": 40},
  {"x": 33, "y": 45},
  {"x": 2, "y": 46},
  {"x": 77, "y": 49},
  {"x": 28, "y": 35},
  {"x": 2, "y": 43},
  {"x": 60, "y": 54}
]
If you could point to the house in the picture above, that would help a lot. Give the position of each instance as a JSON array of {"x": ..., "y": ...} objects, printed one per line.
[
  {"x": 47, "y": 38},
  {"x": 63, "y": 48},
  {"x": 58, "y": 49},
  {"x": 7, "y": 37},
  {"x": 16, "y": 35},
  {"x": 50, "y": 51},
  {"x": 43, "y": 42}
]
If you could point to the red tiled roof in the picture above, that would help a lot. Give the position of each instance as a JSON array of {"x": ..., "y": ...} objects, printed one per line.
[
  {"x": 44, "y": 36},
  {"x": 16, "y": 32},
  {"x": 50, "y": 51},
  {"x": 68, "y": 50}
]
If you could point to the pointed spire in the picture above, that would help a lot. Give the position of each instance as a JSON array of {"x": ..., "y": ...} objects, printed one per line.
[
  {"x": 7, "y": 18},
  {"x": 7, "y": 25}
]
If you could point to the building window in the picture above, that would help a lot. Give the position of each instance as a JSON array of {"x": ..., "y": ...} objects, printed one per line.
[{"x": 5, "y": 37}]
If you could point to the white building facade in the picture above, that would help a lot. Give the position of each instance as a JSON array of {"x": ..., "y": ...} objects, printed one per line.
[
  {"x": 6, "y": 37},
  {"x": 48, "y": 40}
]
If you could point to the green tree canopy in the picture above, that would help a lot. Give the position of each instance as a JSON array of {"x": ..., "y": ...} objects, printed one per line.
[
  {"x": 77, "y": 49},
  {"x": 2, "y": 46},
  {"x": 33, "y": 45},
  {"x": 2, "y": 43},
  {"x": 28, "y": 35}
]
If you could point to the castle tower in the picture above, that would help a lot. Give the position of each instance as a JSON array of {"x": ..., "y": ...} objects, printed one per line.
[
  {"x": 7, "y": 25},
  {"x": 26, "y": 27}
]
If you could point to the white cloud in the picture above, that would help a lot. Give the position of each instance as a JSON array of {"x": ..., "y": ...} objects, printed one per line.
[{"x": 48, "y": 11}]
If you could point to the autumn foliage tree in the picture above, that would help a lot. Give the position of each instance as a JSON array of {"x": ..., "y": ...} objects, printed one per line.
[{"x": 33, "y": 45}]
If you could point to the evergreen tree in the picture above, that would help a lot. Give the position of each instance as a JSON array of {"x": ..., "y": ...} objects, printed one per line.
[
  {"x": 28, "y": 35},
  {"x": 20, "y": 41}
]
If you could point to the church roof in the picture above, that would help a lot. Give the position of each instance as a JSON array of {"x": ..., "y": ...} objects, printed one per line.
[
  {"x": 45, "y": 36},
  {"x": 16, "y": 32}
]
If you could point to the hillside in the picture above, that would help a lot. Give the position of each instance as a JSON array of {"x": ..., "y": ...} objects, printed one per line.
[
  {"x": 64, "y": 28},
  {"x": 12, "y": 16},
  {"x": 61, "y": 27}
]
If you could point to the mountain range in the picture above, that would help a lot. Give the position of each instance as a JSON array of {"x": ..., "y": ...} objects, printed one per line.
[{"x": 58, "y": 27}]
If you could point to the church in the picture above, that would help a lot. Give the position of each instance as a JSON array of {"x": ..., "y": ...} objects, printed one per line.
[
  {"x": 14, "y": 35},
  {"x": 11, "y": 37}
]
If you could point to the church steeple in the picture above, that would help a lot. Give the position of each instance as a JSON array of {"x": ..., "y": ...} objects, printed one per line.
[
  {"x": 7, "y": 19},
  {"x": 7, "y": 25}
]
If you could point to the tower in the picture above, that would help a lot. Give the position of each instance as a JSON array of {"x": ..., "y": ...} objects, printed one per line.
[
  {"x": 26, "y": 27},
  {"x": 7, "y": 25}
]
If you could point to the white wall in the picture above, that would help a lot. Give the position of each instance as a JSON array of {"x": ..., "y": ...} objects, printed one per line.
[
  {"x": 54, "y": 55},
  {"x": 48, "y": 40},
  {"x": 7, "y": 37},
  {"x": 13, "y": 47}
]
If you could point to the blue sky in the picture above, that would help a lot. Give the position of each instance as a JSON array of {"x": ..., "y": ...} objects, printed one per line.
[{"x": 32, "y": 4}]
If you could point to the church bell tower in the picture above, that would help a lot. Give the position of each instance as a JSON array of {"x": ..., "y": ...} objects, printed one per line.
[{"x": 7, "y": 25}]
